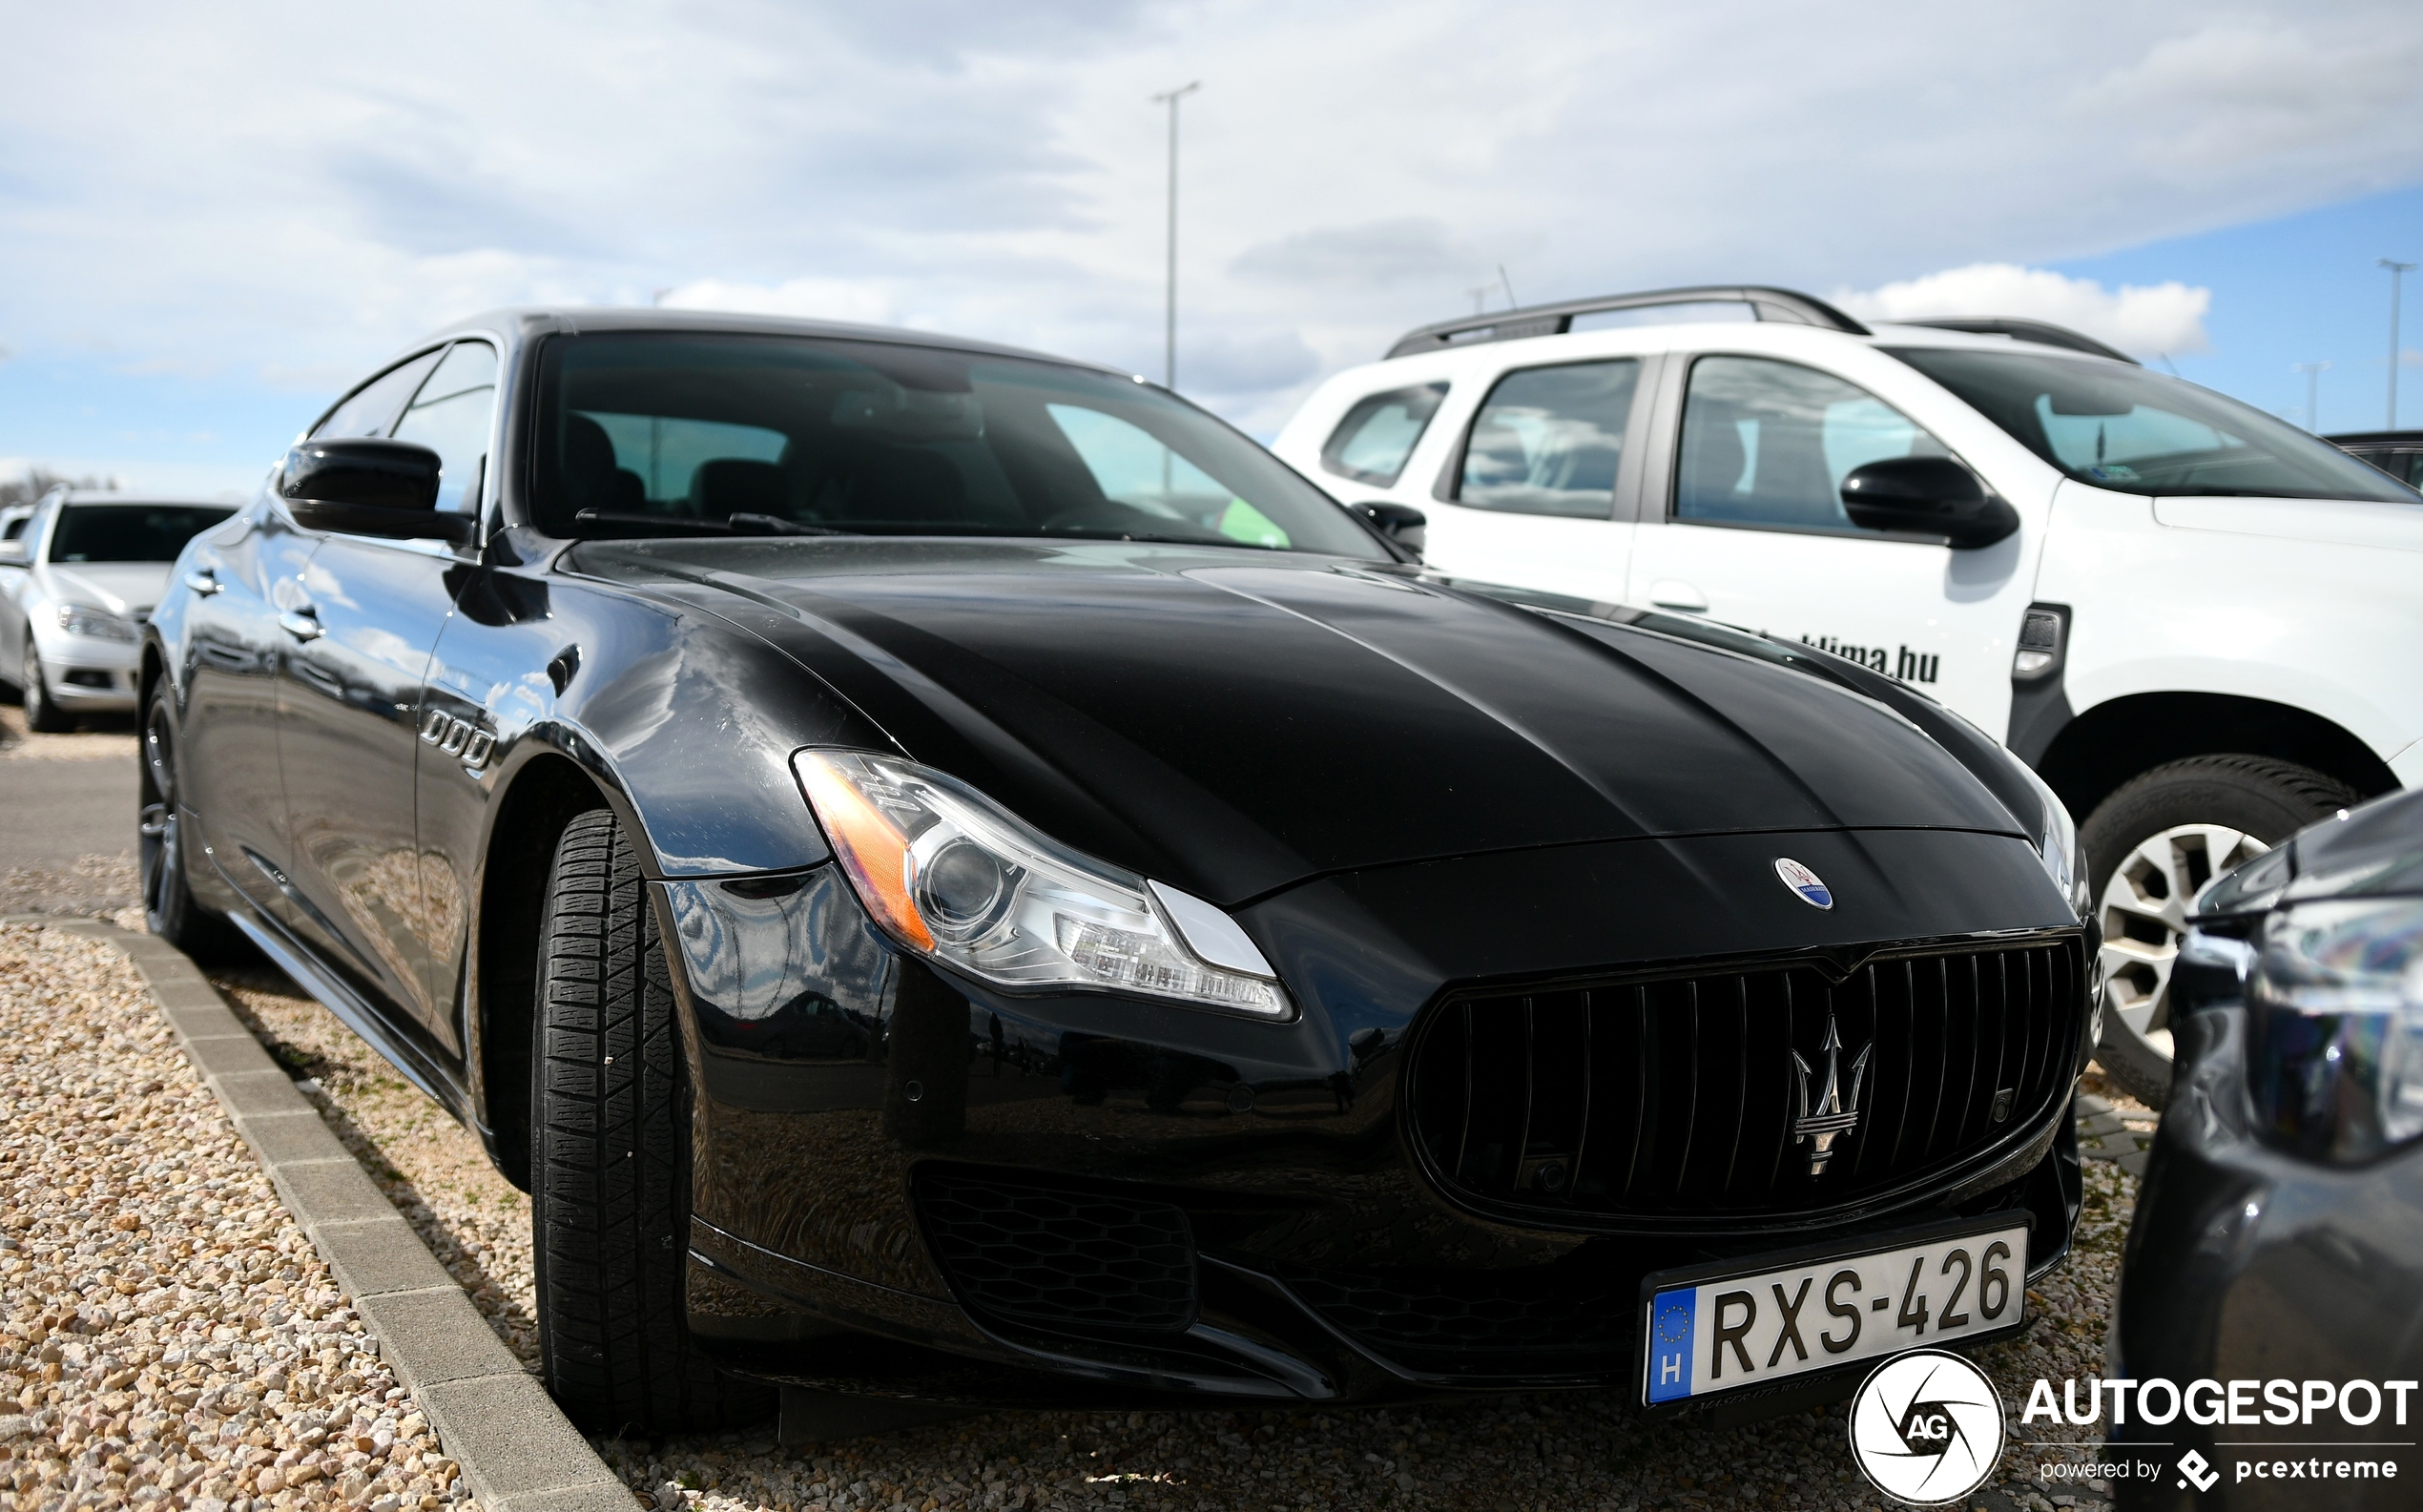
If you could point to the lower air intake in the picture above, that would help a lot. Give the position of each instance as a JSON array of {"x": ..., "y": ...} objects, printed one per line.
[{"x": 1061, "y": 1257}]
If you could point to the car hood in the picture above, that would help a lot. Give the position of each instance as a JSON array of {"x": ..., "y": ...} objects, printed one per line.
[
  {"x": 1236, "y": 721},
  {"x": 122, "y": 588}
]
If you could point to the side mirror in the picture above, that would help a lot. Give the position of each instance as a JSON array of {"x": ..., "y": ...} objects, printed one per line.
[
  {"x": 1927, "y": 496},
  {"x": 11, "y": 554},
  {"x": 1401, "y": 523},
  {"x": 362, "y": 485}
]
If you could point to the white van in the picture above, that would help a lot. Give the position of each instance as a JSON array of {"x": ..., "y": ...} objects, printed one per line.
[{"x": 2199, "y": 622}]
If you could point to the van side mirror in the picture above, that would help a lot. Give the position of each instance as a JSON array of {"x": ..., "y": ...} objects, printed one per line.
[
  {"x": 1927, "y": 496},
  {"x": 1401, "y": 523},
  {"x": 365, "y": 486}
]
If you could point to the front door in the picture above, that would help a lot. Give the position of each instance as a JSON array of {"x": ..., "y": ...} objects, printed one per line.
[
  {"x": 1749, "y": 530},
  {"x": 1533, "y": 496},
  {"x": 352, "y": 713}
]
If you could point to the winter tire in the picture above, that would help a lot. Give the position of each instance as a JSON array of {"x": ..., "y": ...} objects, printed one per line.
[
  {"x": 609, "y": 1188},
  {"x": 2150, "y": 848}
]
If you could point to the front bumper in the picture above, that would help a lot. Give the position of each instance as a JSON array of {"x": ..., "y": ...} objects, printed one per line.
[
  {"x": 86, "y": 672},
  {"x": 2245, "y": 1263},
  {"x": 1081, "y": 1194}
]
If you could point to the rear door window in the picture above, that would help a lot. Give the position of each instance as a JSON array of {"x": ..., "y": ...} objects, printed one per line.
[
  {"x": 1768, "y": 442},
  {"x": 1379, "y": 432},
  {"x": 1549, "y": 440}
]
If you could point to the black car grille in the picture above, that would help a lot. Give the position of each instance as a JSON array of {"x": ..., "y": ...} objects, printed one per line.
[
  {"x": 1682, "y": 1097},
  {"x": 1061, "y": 1257}
]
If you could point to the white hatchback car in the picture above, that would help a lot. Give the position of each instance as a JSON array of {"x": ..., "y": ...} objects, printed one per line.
[
  {"x": 2197, "y": 622},
  {"x": 76, "y": 583}
]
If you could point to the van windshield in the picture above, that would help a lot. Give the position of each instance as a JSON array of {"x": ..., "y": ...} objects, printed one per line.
[
  {"x": 674, "y": 433},
  {"x": 2123, "y": 428}
]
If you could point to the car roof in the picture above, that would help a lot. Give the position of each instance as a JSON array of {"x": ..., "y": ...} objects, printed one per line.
[
  {"x": 530, "y": 321},
  {"x": 1768, "y": 306}
]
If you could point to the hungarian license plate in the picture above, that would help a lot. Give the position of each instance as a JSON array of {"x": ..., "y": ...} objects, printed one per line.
[{"x": 1713, "y": 1329}]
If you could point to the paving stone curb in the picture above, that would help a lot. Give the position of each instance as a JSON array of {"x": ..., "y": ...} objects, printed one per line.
[
  {"x": 2103, "y": 1135},
  {"x": 516, "y": 1449}
]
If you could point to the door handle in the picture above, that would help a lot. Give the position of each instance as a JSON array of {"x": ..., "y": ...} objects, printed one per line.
[
  {"x": 1669, "y": 592},
  {"x": 301, "y": 626},
  {"x": 205, "y": 582}
]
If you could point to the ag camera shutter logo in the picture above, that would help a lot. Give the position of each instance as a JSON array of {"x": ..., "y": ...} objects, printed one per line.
[{"x": 1926, "y": 1427}]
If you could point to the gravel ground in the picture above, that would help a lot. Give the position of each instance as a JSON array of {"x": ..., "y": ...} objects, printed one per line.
[
  {"x": 170, "y": 1338},
  {"x": 1550, "y": 1451},
  {"x": 95, "y": 882}
]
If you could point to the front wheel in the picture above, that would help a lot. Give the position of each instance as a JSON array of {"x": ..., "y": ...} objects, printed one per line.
[
  {"x": 609, "y": 1152},
  {"x": 2151, "y": 847},
  {"x": 42, "y": 713}
]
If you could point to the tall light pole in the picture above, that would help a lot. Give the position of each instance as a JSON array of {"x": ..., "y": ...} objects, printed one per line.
[
  {"x": 1170, "y": 306},
  {"x": 2313, "y": 372},
  {"x": 2397, "y": 271}
]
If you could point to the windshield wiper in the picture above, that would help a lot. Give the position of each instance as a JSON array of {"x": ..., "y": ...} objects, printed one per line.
[{"x": 738, "y": 525}]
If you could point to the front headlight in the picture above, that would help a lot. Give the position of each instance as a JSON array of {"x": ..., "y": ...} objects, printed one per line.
[
  {"x": 951, "y": 876},
  {"x": 2057, "y": 846},
  {"x": 78, "y": 619},
  {"x": 2334, "y": 1041}
]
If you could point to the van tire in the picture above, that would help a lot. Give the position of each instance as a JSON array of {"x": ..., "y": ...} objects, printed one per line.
[
  {"x": 2217, "y": 812},
  {"x": 609, "y": 1158}
]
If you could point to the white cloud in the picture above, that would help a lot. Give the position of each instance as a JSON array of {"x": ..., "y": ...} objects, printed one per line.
[
  {"x": 2166, "y": 317},
  {"x": 1351, "y": 170},
  {"x": 810, "y": 299}
]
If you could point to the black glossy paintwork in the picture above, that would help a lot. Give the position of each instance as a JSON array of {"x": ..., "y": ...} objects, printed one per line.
[
  {"x": 2245, "y": 1261},
  {"x": 1400, "y": 787}
]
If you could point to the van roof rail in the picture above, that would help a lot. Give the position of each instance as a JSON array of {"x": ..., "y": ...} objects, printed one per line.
[
  {"x": 2044, "y": 333},
  {"x": 1555, "y": 320}
]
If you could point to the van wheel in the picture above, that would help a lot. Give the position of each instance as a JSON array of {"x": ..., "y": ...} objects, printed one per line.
[
  {"x": 609, "y": 1158},
  {"x": 2150, "y": 849}
]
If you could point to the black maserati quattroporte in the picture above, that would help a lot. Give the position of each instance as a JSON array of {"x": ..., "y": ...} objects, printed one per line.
[{"x": 955, "y": 875}]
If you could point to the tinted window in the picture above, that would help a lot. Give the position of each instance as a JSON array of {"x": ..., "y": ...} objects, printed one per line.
[
  {"x": 450, "y": 416},
  {"x": 371, "y": 409},
  {"x": 2123, "y": 427},
  {"x": 663, "y": 433},
  {"x": 1548, "y": 440},
  {"x": 1372, "y": 443},
  {"x": 129, "y": 532},
  {"x": 1768, "y": 442},
  {"x": 14, "y": 528}
]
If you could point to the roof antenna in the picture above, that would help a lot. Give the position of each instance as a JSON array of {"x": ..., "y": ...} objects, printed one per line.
[
  {"x": 1504, "y": 284},
  {"x": 1478, "y": 295}
]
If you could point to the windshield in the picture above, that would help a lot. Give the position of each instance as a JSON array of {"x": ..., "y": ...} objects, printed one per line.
[
  {"x": 2124, "y": 429},
  {"x": 129, "y": 532},
  {"x": 654, "y": 433}
]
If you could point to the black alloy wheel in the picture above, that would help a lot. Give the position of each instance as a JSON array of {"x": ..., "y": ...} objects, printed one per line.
[
  {"x": 609, "y": 1158},
  {"x": 170, "y": 910},
  {"x": 42, "y": 713},
  {"x": 2150, "y": 848}
]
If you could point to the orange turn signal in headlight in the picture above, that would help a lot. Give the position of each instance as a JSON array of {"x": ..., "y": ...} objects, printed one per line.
[{"x": 871, "y": 847}]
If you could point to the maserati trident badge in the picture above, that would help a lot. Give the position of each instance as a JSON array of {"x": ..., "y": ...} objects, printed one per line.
[
  {"x": 1806, "y": 884},
  {"x": 1837, "y": 1113}
]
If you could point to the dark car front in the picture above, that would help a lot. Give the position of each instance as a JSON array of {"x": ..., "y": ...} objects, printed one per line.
[{"x": 2278, "y": 1244}]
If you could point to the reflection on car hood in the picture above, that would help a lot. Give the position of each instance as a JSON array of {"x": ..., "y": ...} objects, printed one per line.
[
  {"x": 1236, "y": 721},
  {"x": 122, "y": 588}
]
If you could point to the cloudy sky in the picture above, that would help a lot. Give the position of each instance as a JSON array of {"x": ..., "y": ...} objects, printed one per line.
[{"x": 211, "y": 219}]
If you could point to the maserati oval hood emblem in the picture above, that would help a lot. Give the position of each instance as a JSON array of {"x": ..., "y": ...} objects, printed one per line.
[{"x": 1804, "y": 882}]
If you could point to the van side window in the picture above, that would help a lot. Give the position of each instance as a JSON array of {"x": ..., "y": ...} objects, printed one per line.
[
  {"x": 1548, "y": 440},
  {"x": 1768, "y": 442},
  {"x": 1372, "y": 443}
]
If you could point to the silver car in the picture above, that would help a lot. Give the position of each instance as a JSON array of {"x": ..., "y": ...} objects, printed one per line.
[{"x": 77, "y": 585}]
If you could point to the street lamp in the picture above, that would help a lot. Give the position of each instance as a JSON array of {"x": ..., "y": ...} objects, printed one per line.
[
  {"x": 1170, "y": 305},
  {"x": 2313, "y": 372},
  {"x": 2397, "y": 271}
]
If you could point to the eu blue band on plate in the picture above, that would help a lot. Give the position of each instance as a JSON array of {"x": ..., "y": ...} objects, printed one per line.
[{"x": 1672, "y": 1316}]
